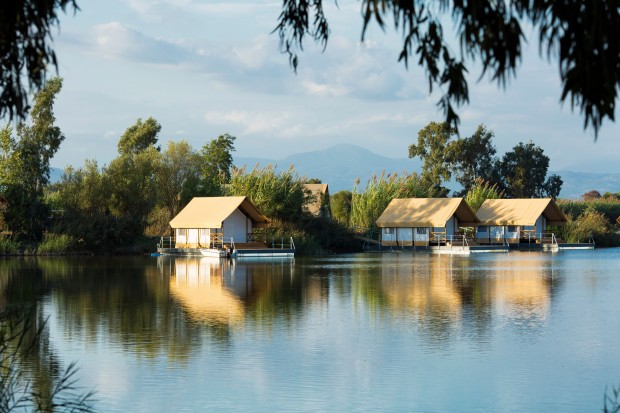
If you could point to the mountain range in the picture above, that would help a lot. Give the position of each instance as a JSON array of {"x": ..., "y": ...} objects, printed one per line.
[{"x": 340, "y": 165}]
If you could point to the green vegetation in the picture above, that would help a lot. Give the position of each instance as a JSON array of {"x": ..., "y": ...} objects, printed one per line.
[
  {"x": 278, "y": 195},
  {"x": 57, "y": 244},
  {"x": 24, "y": 166},
  {"x": 123, "y": 206},
  {"x": 282, "y": 197},
  {"x": 31, "y": 379},
  {"x": 480, "y": 191},
  {"x": 592, "y": 217},
  {"x": 367, "y": 206},
  {"x": 8, "y": 246},
  {"x": 576, "y": 33},
  {"x": 520, "y": 173},
  {"x": 341, "y": 206}
]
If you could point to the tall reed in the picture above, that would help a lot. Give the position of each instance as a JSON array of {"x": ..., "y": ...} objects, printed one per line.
[
  {"x": 368, "y": 205},
  {"x": 480, "y": 191}
]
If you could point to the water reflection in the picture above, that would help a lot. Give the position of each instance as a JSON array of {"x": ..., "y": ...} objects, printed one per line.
[
  {"x": 198, "y": 284},
  {"x": 445, "y": 296},
  {"x": 393, "y": 329},
  {"x": 441, "y": 295},
  {"x": 170, "y": 307}
]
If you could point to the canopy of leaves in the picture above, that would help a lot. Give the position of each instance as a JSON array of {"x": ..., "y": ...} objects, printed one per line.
[
  {"x": 139, "y": 136},
  {"x": 524, "y": 170},
  {"x": 473, "y": 158},
  {"x": 25, "y": 49},
  {"x": 217, "y": 158},
  {"x": 584, "y": 36},
  {"x": 341, "y": 206},
  {"x": 432, "y": 148}
]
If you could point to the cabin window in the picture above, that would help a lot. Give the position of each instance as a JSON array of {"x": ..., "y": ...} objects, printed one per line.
[
  {"x": 388, "y": 231},
  {"x": 420, "y": 231},
  {"x": 483, "y": 228},
  {"x": 512, "y": 228},
  {"x": 181, "y": 232}
]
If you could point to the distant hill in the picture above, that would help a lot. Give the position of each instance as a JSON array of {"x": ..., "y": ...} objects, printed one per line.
[
  {"x": 578, "y": 183},
  {"x": 339, "y": 166}
]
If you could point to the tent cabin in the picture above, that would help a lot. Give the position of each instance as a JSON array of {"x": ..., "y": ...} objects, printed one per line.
[
  {"x": 422, "y": 221},
  {"x": 208, "y": 221},
  {"x": 517, "y": 220},
  {"x": 319, "y": 200}
]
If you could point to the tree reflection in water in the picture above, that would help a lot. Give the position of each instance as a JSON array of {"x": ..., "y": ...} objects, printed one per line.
[{"x": 32, "y": 378}]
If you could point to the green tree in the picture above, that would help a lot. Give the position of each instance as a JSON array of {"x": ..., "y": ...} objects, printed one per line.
[
  {"x": 132, "y": 175},
  {"x": 25, "y": 50},
  {"x": 217, "y": 162},
  {"x": 139, "y": 136},
  {"x": 133, "y": 189},
  {"x": 341, "y": 206},
  {"x": 434, "y": 151},
  {"x": 583, "y": 36},
  {"x": 553, "y": 186},
  {"x": 177, "y": 176},
  {"x": 24, "y": 164},
  {"x": 524, "y": 170},
  {"x": 473, "y": 158}
]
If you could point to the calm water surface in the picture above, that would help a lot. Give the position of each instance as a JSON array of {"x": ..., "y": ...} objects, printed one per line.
[{"x": 516, "y": 332}]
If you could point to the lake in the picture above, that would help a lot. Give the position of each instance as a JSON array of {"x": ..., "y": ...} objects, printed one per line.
[{"x": 393, "y": 332}]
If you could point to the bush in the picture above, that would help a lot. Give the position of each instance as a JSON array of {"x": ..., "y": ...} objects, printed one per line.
[
  {"x": 57, "y": 244},
  {"x": 8, "y": 246},
  {"x": 609, "y": 207},
  {"x": 590, "y": 224}
]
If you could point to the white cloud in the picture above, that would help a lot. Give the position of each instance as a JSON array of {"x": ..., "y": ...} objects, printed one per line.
[
  {"x": 115, "y": 40},
  {"x": 253, "y": 122}
]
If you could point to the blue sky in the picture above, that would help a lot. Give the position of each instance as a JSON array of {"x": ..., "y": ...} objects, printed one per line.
[{"x": 203, "y": 68}]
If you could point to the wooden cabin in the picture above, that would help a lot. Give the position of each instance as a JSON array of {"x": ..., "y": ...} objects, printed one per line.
[
  {"x": 517, "y": 220},
  {"x": 319, "y": 204},
  {"x": 424, "y": 221},
  {"x": 208, "y": 221}
]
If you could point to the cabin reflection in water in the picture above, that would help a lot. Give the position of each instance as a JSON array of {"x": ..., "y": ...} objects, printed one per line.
[
  {"x": 522, "y": 292},
  {"x": 198, "y": 285},
  {"x": 440, "y": 289},
  {"x": 220, "y": 292},
  {"x": 427, "y": 291}
]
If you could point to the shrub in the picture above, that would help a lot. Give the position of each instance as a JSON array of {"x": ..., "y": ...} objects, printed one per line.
[
  {"x": 590, "y": 224},
  {"x": 8, "y": 246},
  {"x": 610, "y": 207},
  {"x": 57, "y": 244}
]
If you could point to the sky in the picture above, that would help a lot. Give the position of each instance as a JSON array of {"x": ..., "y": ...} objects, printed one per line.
[{"x": 204, "y": 68}]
